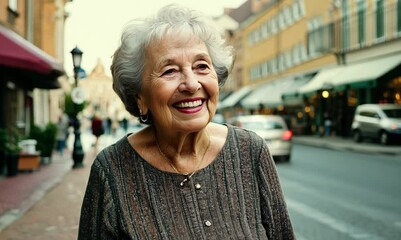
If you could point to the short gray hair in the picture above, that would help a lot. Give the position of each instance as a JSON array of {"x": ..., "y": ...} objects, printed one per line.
[{"x": 128, "y": 60}]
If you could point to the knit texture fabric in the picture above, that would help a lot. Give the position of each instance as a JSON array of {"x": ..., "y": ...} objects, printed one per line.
[{"x": 237, "y": 196}]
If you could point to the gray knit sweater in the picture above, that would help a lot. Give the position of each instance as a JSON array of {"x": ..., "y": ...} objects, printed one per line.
[{"x": 238, "y": 196}]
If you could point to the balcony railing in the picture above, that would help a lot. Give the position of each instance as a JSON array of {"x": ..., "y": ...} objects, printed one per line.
[{"x": 359, "y": 30}]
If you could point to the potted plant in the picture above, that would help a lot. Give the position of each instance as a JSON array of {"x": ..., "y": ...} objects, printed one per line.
[
  {"x": 49, "y": 140},
  {"x": 11, "y": 151},
  {"x": 46, "y": 140}
]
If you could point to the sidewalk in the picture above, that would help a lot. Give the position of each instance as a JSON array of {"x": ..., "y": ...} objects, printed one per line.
[
  {"x": 347, "y": 144},
  {"x": 46, "y": 204}
]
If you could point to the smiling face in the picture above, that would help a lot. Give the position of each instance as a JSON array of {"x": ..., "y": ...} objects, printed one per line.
[{"x": 180, "y": 85}]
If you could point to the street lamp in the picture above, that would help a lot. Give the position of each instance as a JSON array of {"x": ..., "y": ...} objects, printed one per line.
[{"x": 78, "y": 152}]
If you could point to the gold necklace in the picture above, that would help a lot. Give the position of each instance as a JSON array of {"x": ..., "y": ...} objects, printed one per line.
[{"x": 189, "y": 175}]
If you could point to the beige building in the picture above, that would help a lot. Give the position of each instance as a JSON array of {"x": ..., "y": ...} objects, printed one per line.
[{"x": 289, "y": 52}]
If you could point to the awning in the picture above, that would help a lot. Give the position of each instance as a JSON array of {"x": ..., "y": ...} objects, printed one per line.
[
  {"x": 291, "y": 96},
  {"x": 18, "y": 53},
  {"x": 270, "y": 93},
  {"x": 323, "y": 80},
  {"x": 356, "y": 75},
  {"x": 364, "y": 74},
  {"x": 233, "y": 99}
]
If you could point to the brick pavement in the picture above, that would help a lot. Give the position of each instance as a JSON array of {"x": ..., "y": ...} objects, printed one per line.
[
  {"x": 19, "y": 193},
  {"x": 46, "y": 204},
  {"x": 56, "y": 215}
]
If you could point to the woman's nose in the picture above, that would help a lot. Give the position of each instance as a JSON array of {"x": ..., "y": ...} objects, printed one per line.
[{"x": 189, "y": 83}]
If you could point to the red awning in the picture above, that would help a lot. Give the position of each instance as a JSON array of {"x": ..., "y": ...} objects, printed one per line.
[{"x": 16, "y": 52}]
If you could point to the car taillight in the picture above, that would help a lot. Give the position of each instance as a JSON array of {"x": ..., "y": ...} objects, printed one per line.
[{"x": 287, "y": 135}]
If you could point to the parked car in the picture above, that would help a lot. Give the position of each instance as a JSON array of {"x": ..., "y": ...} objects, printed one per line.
[
  {"x": 377, "y": 121},
  {"x": 272, "y": 129}
]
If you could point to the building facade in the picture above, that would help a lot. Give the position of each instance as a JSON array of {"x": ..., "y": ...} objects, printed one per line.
[
  {"x": 292, "y": 51},
  {"x": 31, "y": 62}
]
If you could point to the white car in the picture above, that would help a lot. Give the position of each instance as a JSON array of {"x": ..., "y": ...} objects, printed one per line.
[
  {"x": 377, "y": 121},
  {"x": 272, "y": 129}
]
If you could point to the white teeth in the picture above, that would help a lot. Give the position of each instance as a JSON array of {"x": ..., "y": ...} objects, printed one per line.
[{"x": 189, "y": 104}]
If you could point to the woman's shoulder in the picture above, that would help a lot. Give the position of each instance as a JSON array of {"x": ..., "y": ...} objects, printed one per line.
[
  {"x": 113, "y": 153},
  {"x": 243, "y": 138},
  {"x": 242, "y": 133}
]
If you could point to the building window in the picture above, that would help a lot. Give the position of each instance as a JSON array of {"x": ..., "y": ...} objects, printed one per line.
[
  {"x": 273, "y": 25},
  {"x": 315, "y": 36},
  {"x": 345, "y": 26},
  {"x": 281, "y": 62},
  {"x": 273, "y": 65},
  {"x": 281, "y": 21},
  {"x": 295, "y": 12},
  {"x": 379, "y": 19},
  {"x": 298, "y": 9},
  {"x": 288, "y": 16},
  {"x": 264, "y": 29},
  {"x": 361, "y": 21},
  {"x": 288, "y": 59},
  {"x": 296, "y": 56},
  {"x": 13, "y": 5},
  {"x": 399, "y": 16}
]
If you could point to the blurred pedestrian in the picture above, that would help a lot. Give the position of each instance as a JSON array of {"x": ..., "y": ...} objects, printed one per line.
[
  {"x": 182, "y": 176},
  {"x": 124, "y": 123},
  {"x": 97, "y": 129},
  {"x": 327, "y": 124},
  {"x": 62, "y": 133}
]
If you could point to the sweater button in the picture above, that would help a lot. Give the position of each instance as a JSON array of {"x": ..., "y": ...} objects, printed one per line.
[
  {"x": 198, "y": 186},
  {"x": 208, "y": 223}
]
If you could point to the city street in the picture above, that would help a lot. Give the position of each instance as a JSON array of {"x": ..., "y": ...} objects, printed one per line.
[{"x": 342, "y": 195}]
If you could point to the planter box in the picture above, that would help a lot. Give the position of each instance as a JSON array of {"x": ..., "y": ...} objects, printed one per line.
[{"x": 29, "y": 161}]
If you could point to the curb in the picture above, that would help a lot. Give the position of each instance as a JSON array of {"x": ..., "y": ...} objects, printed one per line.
[{"x": 350, "y": 146}]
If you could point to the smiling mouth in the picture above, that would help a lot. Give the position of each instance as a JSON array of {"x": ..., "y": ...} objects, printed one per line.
[{"x": 190, "y": 104}]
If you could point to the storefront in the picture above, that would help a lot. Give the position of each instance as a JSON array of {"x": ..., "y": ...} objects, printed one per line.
[
  {"x": 334, "y": 93},
  {"x": 23, "y": 68}
]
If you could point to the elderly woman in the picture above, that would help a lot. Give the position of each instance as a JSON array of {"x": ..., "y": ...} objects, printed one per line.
[{"x": 181, "y": 177}]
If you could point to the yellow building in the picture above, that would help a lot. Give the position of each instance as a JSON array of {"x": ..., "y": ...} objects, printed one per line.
[{"x": 290, "y": 51}]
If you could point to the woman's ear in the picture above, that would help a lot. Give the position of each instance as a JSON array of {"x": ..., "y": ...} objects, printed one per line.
[{"x": 143, "y": 109}]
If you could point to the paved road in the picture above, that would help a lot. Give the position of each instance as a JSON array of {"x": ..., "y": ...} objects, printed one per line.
[{"x": 342, "y": 195}]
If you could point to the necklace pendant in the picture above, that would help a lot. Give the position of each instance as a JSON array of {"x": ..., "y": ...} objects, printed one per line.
[{"x": 186, "y": 179}]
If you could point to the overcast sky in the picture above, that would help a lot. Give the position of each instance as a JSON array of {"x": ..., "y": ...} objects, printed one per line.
[{"x": 95, "y": 25}]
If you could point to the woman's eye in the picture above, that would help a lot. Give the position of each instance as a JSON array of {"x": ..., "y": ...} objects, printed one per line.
[
  {"x": 169, "y": 71},
  {"x": 203, "y": 66}
]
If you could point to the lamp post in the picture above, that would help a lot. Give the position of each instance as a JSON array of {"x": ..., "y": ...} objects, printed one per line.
[{"x": 78, "y": 152}]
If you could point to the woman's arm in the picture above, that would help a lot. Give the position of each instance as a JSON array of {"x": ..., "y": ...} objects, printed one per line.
[
  {"x": 274, "y": 211},
  {"x": 98, "y": 218}
]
